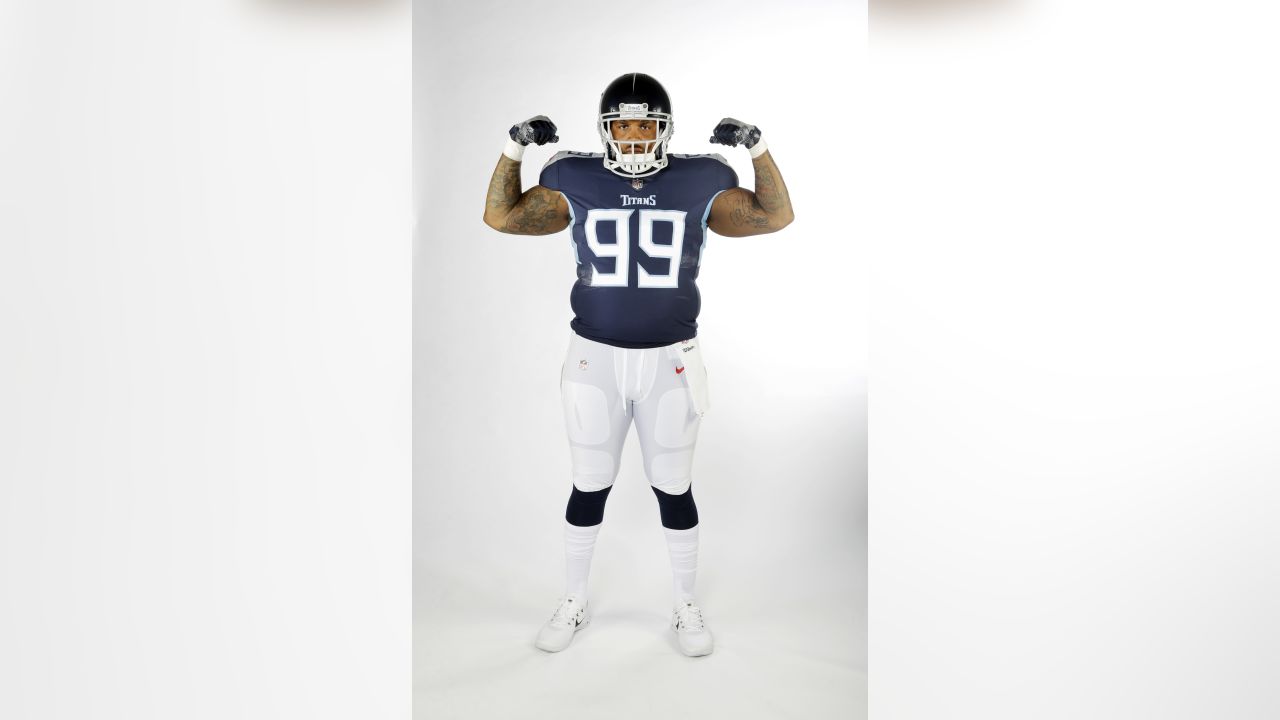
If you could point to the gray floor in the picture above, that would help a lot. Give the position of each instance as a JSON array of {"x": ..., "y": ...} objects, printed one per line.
[{"x": 780, "y": 652}]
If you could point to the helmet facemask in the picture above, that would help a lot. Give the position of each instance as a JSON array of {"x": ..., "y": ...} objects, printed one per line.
[{"x": 646, "y": 157}]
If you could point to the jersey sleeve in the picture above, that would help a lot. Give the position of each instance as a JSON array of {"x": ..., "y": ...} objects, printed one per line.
[
  {"x": 725, "y": 177},
  {"x": 550, "y": 177}
]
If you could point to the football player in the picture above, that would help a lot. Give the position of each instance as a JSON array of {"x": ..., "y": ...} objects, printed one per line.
[{"x": 638, "y": 216}]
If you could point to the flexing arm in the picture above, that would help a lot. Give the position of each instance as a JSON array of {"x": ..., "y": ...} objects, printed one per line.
[
  {"x": 538, "y": 210},
  {"x": 739, "y": 212}
]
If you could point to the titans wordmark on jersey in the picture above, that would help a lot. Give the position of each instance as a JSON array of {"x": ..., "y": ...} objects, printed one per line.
[{"x": 638, "y": 248}]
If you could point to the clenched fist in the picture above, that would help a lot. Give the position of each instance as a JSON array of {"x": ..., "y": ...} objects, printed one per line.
[
  {"x": 735, "y": 132},
  {"x": 538, "y": 130}
]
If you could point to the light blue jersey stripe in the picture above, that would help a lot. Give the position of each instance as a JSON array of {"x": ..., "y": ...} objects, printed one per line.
[{"x": 706, "y": 214}]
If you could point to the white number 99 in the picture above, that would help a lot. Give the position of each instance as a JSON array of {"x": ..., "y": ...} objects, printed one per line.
[{"x": 620, "y": 250}]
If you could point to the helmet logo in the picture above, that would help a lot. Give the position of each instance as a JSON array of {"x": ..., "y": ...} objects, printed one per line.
[{"x": 633, "y": 107}]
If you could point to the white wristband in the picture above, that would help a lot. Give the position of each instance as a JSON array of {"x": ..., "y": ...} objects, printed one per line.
[
  {"x": 513, "y": 150},
  {"x": 761, "y": 147}
]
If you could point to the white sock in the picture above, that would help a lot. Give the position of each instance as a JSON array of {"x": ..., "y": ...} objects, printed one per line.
[
  {"x": 579, "y": 544},
  {"x": 683, "y": 547}
]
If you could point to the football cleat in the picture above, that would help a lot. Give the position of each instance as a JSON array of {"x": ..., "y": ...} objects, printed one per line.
[
  {"x": 570, "y": 617},
  {"x": 691, "y": 631}
]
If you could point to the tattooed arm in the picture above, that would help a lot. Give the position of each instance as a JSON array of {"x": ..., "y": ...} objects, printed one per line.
[
  {"x": 738, "y": 212},
  {"x": 537, "y": 211}
]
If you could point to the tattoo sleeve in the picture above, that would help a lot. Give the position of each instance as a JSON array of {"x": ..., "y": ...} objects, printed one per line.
[
  {"x": 504, "y": 187},
  {"x": 747, "y": 214},
  {"x": 538, "y": 211},
  {"x": 740, "y": 212},
  {"x": 771, "y": 192}
]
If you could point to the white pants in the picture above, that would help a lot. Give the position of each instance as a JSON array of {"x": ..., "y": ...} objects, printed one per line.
[{"x": 605, "y": 387}]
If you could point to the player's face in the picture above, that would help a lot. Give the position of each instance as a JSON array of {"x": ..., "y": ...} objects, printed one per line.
[{"x": 640, "y": 129}]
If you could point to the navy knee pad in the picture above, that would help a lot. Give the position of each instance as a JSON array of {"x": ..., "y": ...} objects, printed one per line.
[
  {"x": 678, "y": 511},
  {"x": 586, "y": 508}
]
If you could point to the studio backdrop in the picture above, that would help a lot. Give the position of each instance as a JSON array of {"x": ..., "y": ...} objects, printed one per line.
[{"x": 780, "y": 468}]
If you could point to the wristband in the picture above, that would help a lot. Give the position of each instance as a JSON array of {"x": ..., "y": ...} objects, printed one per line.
[
  {"x": 513, "y": 150},
  {"x": 760, "y": 148}
]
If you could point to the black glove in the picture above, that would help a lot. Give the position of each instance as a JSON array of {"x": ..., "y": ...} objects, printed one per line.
[
  {"x": 538, "y": 130},
  {"x": 732, "y": 132}
]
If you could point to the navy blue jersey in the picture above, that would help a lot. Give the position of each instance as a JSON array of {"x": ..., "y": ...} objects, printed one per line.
[{"x": 638, "y": 249}]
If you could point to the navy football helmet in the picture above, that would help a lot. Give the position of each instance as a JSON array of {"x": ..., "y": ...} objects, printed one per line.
[{"x": 635, "y": 97}]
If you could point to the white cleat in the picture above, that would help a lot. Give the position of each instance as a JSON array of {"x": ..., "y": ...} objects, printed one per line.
[
  {"x": 569, "y": 618},
  {"x": 690, "y": 630}
]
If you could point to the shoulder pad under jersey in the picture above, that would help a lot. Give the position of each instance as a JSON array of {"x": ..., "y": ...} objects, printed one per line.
[
  {"x": 713, "y": 156},
  {"x": 571, "y": 153}
]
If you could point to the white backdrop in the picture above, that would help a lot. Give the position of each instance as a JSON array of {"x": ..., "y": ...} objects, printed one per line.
[
  {"x": 780, "y": 471},
  {"x": 204, "y": 360},
  {"x": 204, "y": 368},
  {"x": 1075, "y": 404}
]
